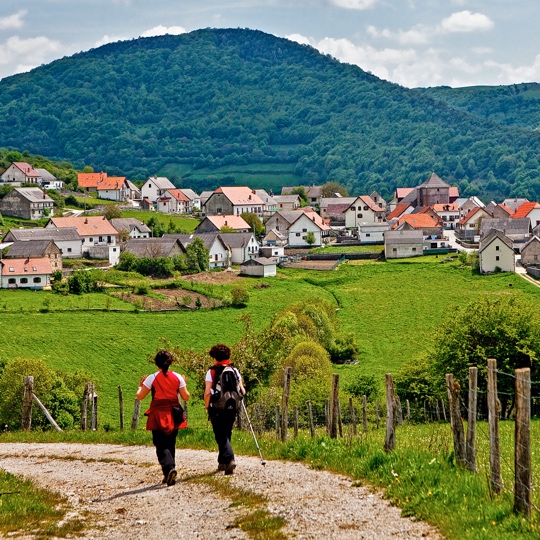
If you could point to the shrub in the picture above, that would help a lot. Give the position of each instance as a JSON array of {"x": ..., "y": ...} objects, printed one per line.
[
  {"x": 240, "y": 296},
  {"x": 363, "y": 385}
]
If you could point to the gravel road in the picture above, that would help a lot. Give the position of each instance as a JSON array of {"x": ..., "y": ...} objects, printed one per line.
[{"x": 118, "y": 490}]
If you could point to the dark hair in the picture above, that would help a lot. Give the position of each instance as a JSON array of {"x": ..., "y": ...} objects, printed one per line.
[
  {"x": 163, "y": 360},
  {"x": 220, "y": 352}
]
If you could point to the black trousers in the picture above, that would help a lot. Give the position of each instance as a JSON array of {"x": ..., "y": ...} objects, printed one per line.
[
  {"x": 222, "y": 424},
  {"x": 165, "y": 449}
]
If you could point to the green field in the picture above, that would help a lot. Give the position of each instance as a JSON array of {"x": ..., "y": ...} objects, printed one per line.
[
  {"x": 187, "y": 224},
  {"x": 393, "y": 309}
]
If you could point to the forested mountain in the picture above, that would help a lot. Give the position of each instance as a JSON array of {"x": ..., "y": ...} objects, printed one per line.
[
  {"x": 242, "y": 106},
  {"x": 513, "y": 105}
]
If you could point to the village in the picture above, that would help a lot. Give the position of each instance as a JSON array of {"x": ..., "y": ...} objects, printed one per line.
[{"x": 428, "y": 219}]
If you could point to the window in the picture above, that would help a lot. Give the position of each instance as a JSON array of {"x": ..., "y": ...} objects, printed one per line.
[
  {"x": 297, "y": 234},
  {"x": 37, "y": 280},
  {"x": 497, "y": 248},
  {"x": 216, "y": 258},
  {"x": 368, "y": 235},
  {"x": 394, "y": 249},
  {"x": 366, "y": 208},
  {"x": 360, "y": 215},
  {"x": 12, "y": 281},
  {"x": 304, "y": 230},
  {"x": 414, "y": 249},
  {"x": 100, "y": 239},
  {"x": 497, "y": 258},
  {"x": 353, "y": 208},
  {"x": 91, "y": 240},
  {"x": 24, "y": 280},
  {"x": 11, "y": 269},
  {"x": 69, "y": 250}
]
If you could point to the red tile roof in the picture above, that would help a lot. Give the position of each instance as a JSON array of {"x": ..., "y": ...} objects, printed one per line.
[
  {"x": 468, "y": 216},
  {"x": 510, "y": 213},
  {"x": 90, "y": 180},
  {"x": 371, "y": 203},
  {"x": 14, "y": 267},
  {"x": 111, "y": 182},
  {"x": 398, "y": 211},
  {"x": 232, "y": 221},
  {"x": 86, "y": 226},
  {"x": 27, "y": 169},
  {"x": 177, "y": 194},
  {"x": 240, "y": 195},
  {"x": 525, "y": 209},
  {"x": 402, "y": 192},
  {"x": 417, "y": 221}
]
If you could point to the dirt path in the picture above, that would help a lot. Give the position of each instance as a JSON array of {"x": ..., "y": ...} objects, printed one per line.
[{"x": 119, "y": 489}]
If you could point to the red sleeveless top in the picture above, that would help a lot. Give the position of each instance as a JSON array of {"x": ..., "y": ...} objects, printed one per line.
[{"x": 164, "y": 397}]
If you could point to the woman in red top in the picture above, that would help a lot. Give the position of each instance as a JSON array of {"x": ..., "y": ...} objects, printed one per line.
[{"x": 165, "y": 386}]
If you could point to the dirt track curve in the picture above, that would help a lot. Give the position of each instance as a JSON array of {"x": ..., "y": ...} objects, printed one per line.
[{"x": 119, "y": 489}]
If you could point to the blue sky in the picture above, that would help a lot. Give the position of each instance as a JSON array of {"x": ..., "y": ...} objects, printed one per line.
[{"x": 409, "y": 42}]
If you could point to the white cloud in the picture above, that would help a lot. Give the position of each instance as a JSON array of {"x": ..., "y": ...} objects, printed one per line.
[
  {"x": 354, "y": 4},
  {"x": 418, "y": 35},
  {"x": 162, "y": 30},
  {"x": 465, "y": 21},
  {"x": 299, "y": 39},
  {"x": 13, "y": 21},
  {"x": 508, "y": 74},
  {"x": 108, "y": 39},
  {"x": 28, "y": 53}
]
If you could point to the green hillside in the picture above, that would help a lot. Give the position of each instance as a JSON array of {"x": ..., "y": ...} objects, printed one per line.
[{"x": 241, "y": 106}]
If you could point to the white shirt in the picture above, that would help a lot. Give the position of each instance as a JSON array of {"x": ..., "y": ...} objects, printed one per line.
[
  {"x": 208, "y": 377},
  {"x": 150, "y": 379}
]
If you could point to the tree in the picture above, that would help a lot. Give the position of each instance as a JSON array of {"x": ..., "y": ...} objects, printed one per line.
[
  {"x": 240, "y": 296},
  {"x": 310, "y": 238},
  {"x": 226, "y": 229},
  {"x": 113, "y": 212},
  {"x": 198, "y": 256},
  {"x": 254, "y": 222},
  {"x": 505, "y": 328},
  {"x": 301, "y": 192},
  {"x": 331, "y": 188}
]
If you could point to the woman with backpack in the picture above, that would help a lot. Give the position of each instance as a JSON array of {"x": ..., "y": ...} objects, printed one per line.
[
  {"x": 165, "y": 416},
  {"x": 222, "y": 398}
]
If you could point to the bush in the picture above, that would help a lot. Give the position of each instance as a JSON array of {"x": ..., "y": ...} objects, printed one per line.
[
  {"x": 239, "y": 296},
  {"x": 363, "y": 385}
]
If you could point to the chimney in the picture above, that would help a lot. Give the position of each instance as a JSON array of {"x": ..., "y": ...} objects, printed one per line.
[
  {"x": 86, "y": 221},
  {"x": 225, "y": 222}
]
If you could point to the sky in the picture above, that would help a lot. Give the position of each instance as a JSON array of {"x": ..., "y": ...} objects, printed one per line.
[{"x": 415, "y": 43}]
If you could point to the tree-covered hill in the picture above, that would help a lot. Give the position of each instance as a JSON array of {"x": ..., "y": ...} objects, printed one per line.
[
  {"x": 512, "y": 105},
  {"x": 242, "y": 106}
]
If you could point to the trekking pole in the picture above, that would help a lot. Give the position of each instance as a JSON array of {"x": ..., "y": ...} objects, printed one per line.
[{"x": 253, "y": 433}]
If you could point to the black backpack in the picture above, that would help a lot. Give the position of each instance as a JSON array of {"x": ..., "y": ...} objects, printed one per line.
[{"x": 227, "y": 395}]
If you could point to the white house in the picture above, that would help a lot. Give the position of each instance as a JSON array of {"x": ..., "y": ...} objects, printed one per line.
[
  {"x": 27, "y": 203},
  {"x": 155, "y": 187},
  {"x": 173, "y": 201},
  {"x": 242, "y": 246},
  {"x": 114, "y": 188},
  {"x": 372, "y": 233},
  {"x": 234, "y": 201},
  {"x": 529, "y": 210},
  {"x": 496, "y": 252},
  {"x": 48, "y": 180},
  {"x": 363, "y": 210},
  {"x": 307, "y": 223},
  {"x": 135, "y": 228},
  {"x": 67, "y": 239},
  {"x": 21, "y": 172},
  {"x": 259, "y": 267},
  {"x": 219, "y": 256},
  {"x": 194, "y": 199},
  {"x": 25, "y": 273}
]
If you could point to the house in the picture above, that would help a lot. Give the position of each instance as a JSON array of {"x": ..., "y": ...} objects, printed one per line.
[
  {"x": 36, "y": 249},
  {"x": 155, "y": 187},
  {"x": 530, "y": 252},
  {"x": 205, "y": 195},
  {"x": 194, "y": 200},
  {"x": 419, "y": 222},
  {"x": 335, "y": 214},
  {"x": 213, "y": 224},
  {"x": 233, "y": 201},
  {"x": 274, "y": 238},
  {"x": 20, "y": 172},
  {"x": 272, "y": 251},
  {"x": 499, "y": 211},
  {"x": 378, "y": 200},
  {"x": 305, "y": 223},
  {"x": 400, "y": 244},
  {"x": 530, "y": 210},
  {"x": 466, "y": 205},
  {"x": 313, "y": 193},
  {"x": 270, "y": 204},
  {"x": 132, "y": 226},
  {"x": 363, "y": 210},
  {"x": 147, "y": 204},
  {"x": 68, "y": 240},
  {"x": 154, "y": 248},
  {"x": 287, "y": 202},
  {"x": 514, "y": 204},
  {"x": 49, "y": 181},
  {"x": 219, "y": 255},
  {"x": 242, "y": 246},
  {"x": 259, "y": 267},
  {"x": 496, "y": 253},
  {"x": 25, "y": 273},
  {"x": 27, "y": 203},
  {"x": 518, "y": 230},
  {"x": 90, "y": 181},
  {"x": 433, "y": 191},
  {"x": 173, "y": 201},
  {"x": 115, "y": 188},
  {"x": 331, "y": 207},
  {"x": 372, "y": 233},
  {"x": 96, "y": 231},
  {"x": 469, "y": 226},
  {"x": 448, "y": 213}
]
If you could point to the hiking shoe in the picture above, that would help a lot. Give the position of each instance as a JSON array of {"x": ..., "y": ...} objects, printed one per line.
[
  {"x": 221, "y": 467},
  {"x": 229, "y": 468},
  {"x": 171, "y": 477}
]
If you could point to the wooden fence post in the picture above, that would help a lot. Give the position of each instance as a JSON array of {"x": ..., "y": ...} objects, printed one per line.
[
  {"x": 185, "y": 407},
  {"x": 493, "y": 418},
  {"x": 295, "y": 422},
  {"x": 399, "y": 412},
  {"x": 408, "y": 411},
  {"x": 456, "y": 422},
  {"x": 84, "y": 407},
  {"x": 470, "y": 449},
  {"x": 364, "y": 414},
  {"x": 327, "y": 416},
  {"x": 390, "y": 441},
  {"x": 425, "y": 411},
  {"x": 285, "y": 403},
  {"x": 94, "y": 407},
  {"x": 522, "y": 456},
  {"x": 443, "y": 410},
  {"x": 437, "y": 410},
  {"x": 136, "y": 414},
  {"x": 334, "y": 411},
  {"x": 340, "y": 421},
  {"x": 311, "y": 424},
  {"x": 121, "y": 407},
  {"x": 27, "y": 403},
  {"x": 46, "y": 413},
  {"x": 378, "y": 414},
  {"x": 352, "y": 414},
  {"x": 278, "y": 424}
]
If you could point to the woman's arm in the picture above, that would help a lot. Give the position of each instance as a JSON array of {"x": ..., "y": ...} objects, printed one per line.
[
  {"x": 184, "y": 393},
  {"x": 142, "y": 391},
  {"x": 207, "y": 393}
]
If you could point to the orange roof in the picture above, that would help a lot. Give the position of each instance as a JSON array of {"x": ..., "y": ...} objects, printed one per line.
[
  {"x": 417, "y": 221},
  {"x": 111, "y": 182},
  {"x": 86, "y": 226},
  {"x": 453, "y": 192},
  {"x": 240, "y": 195},
  {"x": 311, "y": 214},
  {"x": 232, "y": 221},
  {"x": 371, "y": 203},
  {"x": 504, "y": 207},
  {"x": 402, "y": 192},
  {"x": 90, "y": 180},
  {"x": 12, "y": 267},
  {"x": 525, "y": 209},
  {"x": 445, "y": 207},
  {"x": 176, "y": 194},
  {"x": 398, "y": 210},
  {"x": 468, "y": 216}
]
